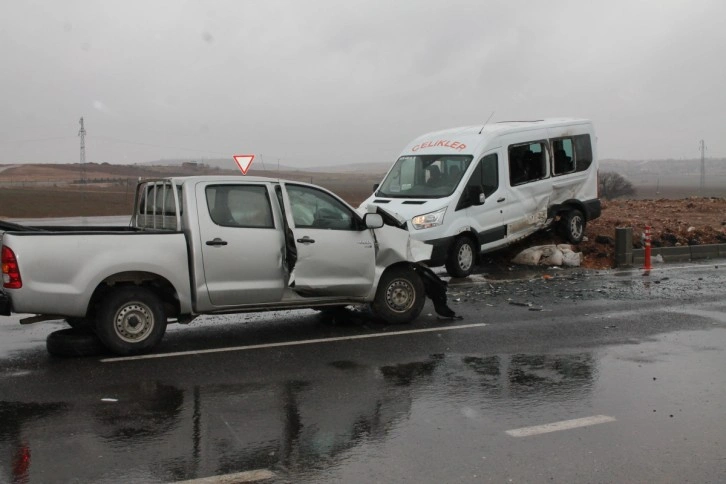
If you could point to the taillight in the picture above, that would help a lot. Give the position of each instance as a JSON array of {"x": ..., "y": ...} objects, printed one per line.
[{"x": 11, "y": 272}]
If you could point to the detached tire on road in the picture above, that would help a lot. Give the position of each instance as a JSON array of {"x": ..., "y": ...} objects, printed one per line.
[
  {"x": 131, "y": 320},
  {"x": 74, "y": 342},
  {"x": 400, "y": 296},
  {"x": 573, "y": 226},
  {"x": 462, "y": 257},
  {"x": 80, "y": 323}
]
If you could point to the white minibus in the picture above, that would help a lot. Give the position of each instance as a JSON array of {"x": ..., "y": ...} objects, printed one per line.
[{"x": 475, "y": 189}]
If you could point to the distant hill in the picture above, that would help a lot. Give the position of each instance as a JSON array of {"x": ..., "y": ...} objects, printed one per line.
[
  {"x": 261, "y": 164},
  {"x": 675, "y": 178},
  {"x": 373, "y": 167},
  {"x": 683, "y": 170}
]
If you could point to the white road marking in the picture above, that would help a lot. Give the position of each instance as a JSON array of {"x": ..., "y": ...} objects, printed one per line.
[
  {"x": 248, "y": 476},
  {"x": 563, "y": 425},
  {"x": 291, "y": 343}
]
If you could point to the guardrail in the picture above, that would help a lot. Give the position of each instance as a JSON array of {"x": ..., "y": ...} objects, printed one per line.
[{"x": 627, "y": 256}]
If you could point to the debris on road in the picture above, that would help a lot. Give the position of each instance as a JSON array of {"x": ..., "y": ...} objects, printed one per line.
[{"x": 517, "y": 303}]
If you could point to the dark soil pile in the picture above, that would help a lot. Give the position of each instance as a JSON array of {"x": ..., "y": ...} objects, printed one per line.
[{"x": 689, "y": 221}]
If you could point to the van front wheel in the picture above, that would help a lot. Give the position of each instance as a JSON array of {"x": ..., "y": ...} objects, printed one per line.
[{"x": 462, "y": 257}]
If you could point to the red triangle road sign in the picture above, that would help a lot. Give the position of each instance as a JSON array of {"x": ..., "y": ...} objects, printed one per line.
[{"x": 244, "y": 162}]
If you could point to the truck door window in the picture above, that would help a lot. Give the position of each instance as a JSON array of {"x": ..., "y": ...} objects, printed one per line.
[
  {"x": 563, "y": 155},
  {"x": 240, "y": 206},
  {"x": 528, "y": 162},
  {"x": 312, "y": 208}
]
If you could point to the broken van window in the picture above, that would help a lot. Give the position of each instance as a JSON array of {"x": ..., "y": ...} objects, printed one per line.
[
  {"x": 583, "y": 151},
  {"x": 427, "y": 176},
  {"x": 528, "y": 162},
  {"x": 564, "y": 156}
]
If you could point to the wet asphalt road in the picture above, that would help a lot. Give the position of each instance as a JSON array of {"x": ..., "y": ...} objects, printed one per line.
[{"x": 636, "y": 360}]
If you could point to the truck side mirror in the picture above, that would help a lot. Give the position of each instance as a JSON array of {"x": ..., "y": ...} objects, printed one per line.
[{"x": 373, "y": 220}]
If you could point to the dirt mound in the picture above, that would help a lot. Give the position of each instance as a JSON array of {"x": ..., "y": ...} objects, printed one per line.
[{"x": 689, "y": 221}]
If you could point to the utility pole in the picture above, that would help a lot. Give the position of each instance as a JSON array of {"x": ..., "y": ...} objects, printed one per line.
[
  {"x": 702, "y": 148},
  {"x": 82, "y": 134}
]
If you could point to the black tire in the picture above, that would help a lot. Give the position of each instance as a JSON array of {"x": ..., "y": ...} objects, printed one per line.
[
  {"x": 80, "y": 323},
  {"x": 131, "y": 320},
  {"x": 330, "y": 309},
  {"x": 462, "y": 257},
  {"x": 573, "y": 226},
  {"x": 400, "y": 297},
  {"x": 74, "y": 342}
]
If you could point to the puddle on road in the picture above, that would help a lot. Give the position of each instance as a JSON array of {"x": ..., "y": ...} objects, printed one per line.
[{"x": 345, "y": 416}]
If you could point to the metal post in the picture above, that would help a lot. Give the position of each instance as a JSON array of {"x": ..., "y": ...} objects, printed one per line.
[{"x": 623, "y": 246}]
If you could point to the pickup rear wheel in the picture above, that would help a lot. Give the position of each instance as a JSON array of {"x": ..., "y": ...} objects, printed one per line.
[
  {"x": 131, "y": 320},
  {"x": 400, "y": 296}
]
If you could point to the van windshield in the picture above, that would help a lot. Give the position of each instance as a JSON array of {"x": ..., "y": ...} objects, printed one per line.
[{"x": 428, "y": 176}]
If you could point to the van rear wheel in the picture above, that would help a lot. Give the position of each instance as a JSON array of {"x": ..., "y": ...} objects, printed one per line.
[
  {"x": 574, "y": 226},
  {"x": 462, "y": 257}
]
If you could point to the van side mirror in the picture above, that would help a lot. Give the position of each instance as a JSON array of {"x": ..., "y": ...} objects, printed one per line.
[
  {"x": 476, "y": 194},
  {"x": 373, "y": 220},
  {"x": 375, "y": 187}
]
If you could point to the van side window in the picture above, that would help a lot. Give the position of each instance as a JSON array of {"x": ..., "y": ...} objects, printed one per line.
[
  {"x": 583, "y": 151},
  {"x": 528, "y": 162},
  {"x": 490, "y": 174},
  {"x": 563, "y": 156}
]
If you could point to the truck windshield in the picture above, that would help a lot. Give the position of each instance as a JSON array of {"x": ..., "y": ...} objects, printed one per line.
[{"x": 429, "y": 176}]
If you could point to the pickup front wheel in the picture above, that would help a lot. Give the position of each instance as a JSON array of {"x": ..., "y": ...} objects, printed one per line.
[
  {"x": 400, "y": 296},
  {"x": 131, "y": 320}
]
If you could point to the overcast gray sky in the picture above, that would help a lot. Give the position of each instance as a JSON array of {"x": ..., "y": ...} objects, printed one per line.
[{"x": 334, "y": 82}]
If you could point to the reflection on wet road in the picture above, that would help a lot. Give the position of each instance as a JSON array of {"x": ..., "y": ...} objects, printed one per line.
[{"x": 428, "y": 407}]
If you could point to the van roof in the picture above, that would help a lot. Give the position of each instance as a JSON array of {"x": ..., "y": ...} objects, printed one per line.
[{"x": 504, "y": 127}]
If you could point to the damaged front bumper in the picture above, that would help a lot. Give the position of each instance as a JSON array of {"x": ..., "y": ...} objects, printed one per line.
[{"x": 4, "y": 304}]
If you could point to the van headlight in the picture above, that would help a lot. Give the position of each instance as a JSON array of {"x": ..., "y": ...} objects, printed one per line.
[{"x": 428, "y": 220}]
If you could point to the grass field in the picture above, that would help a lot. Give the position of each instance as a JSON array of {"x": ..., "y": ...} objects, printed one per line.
[
  {"x": 30, "y": 191},
  {"x": 39, "y": 191}
]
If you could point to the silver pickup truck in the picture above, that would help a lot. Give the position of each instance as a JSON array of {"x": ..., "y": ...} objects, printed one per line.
[{"x": 211, "y": 245}]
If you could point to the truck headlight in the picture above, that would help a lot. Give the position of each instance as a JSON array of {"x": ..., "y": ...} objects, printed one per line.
[{"x": 428, "y": 220}]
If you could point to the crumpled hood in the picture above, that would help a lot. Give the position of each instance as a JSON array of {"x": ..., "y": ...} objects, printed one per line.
[
  {"x": 394, "y": 243},
  {"x": 405, "y": 208}
]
